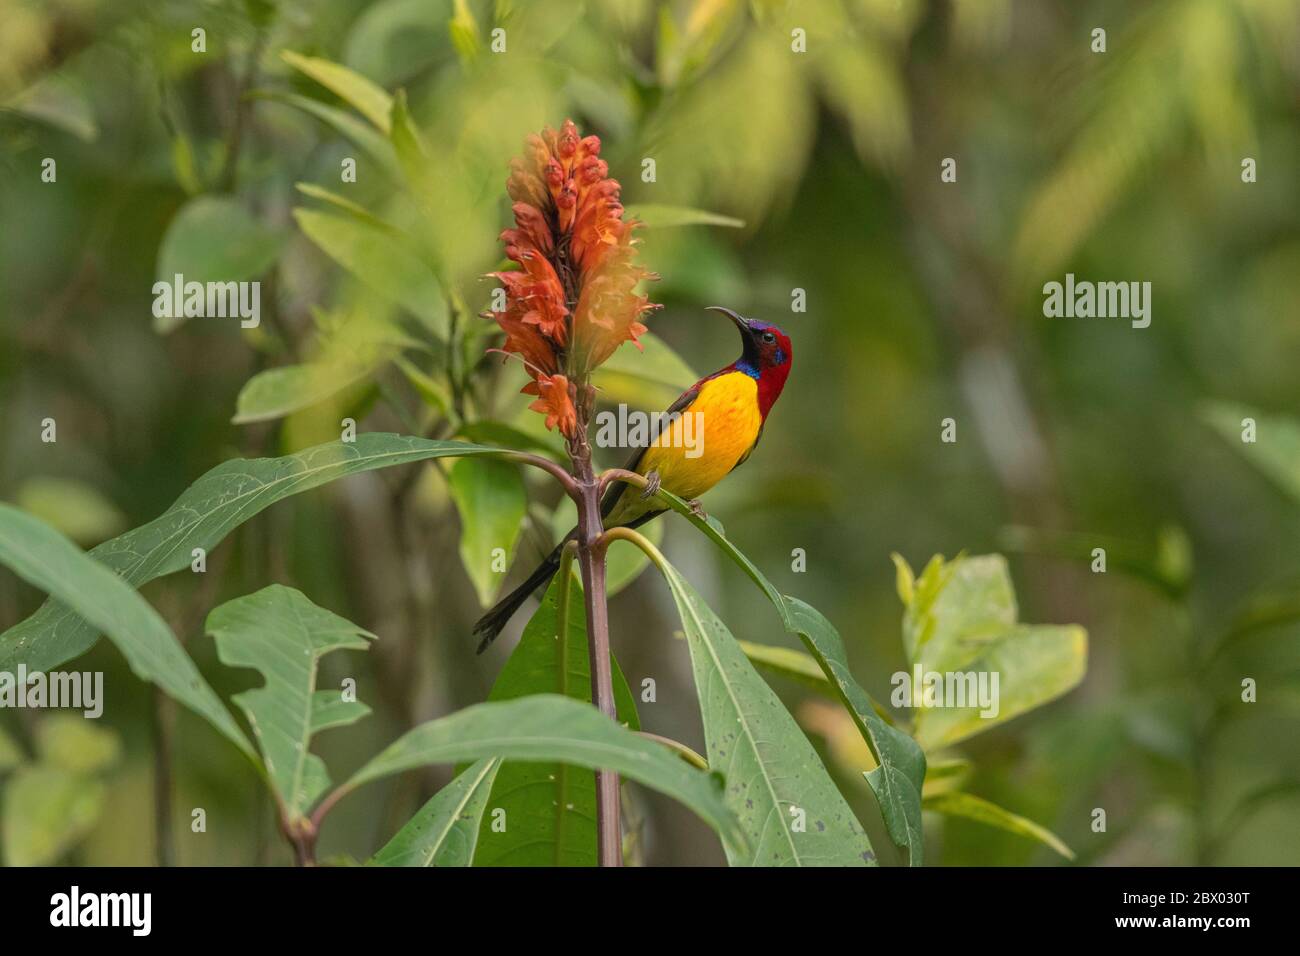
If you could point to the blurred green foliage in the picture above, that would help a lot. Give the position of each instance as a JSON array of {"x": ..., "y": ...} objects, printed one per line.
[{"x": 923, "y": 304}]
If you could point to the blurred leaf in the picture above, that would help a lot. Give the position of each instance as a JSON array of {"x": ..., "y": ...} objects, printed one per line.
[
  {"x": 77, "y": 509},
  {"x": 962, "y": 618},
  {"x": 45, "y": 559},
  {"x": 221, "y": 500},
  {"x": 491, "y": 500},
  {"x": 788, "y": 663},
  {"x": 548, "y": 727},
  {"x": 394, "y": 39},
  {"x": 971, "y": 807},
  {"x": 47, "y": 810},
  {"x": 1276, "y": 448},
  {"x": 943, "y": 775},
  {"x": 358, "y": 92},
  {"x": 374, "y": 144},
  {"x": 861, "y": 81},
  {"x": 280, "y": 391},
  {"x": 283, "y": 635},
  {"x": 650, "y": 379},
  {"x": 59, "y": 101},
  {"x": 434, "y": 393},
  {"x": 214, "y": 239},
  {"x": 11, "y": 755},
  {"x": 663, "y": 217},
  {"x": 379, "y": 259},
  {"x": 77, "y": 744},
  {"x": 550, "y": 808},
  {"x": 464, "y": 32},
  {"x": 445, "y": 830},
  {"x": 772, "y": 770}
]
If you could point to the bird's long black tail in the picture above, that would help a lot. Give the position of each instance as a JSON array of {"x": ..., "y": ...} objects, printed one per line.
[{"x": 492, "y": 623}]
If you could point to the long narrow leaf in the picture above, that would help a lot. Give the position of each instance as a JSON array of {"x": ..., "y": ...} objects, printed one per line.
[
  {"x": 201, "y": 517},
  {"x": 46, "y": 559}
]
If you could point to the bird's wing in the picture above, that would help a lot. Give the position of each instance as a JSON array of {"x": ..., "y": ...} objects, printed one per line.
[{"x": 634, "y": 462}]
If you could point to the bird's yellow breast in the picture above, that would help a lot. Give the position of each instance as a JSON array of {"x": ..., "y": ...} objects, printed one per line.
[{"x": 697, "y": 450}]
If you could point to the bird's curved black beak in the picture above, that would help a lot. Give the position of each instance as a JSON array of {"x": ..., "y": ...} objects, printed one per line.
[{"x": 742, "y": 323}]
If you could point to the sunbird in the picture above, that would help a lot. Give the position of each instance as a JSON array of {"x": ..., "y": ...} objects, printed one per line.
[{"x": 732, "y": 406}]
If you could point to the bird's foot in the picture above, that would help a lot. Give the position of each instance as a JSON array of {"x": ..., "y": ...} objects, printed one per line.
[
  {"x": 697, "y": 509},
  {"x": 651, "y": 485}
]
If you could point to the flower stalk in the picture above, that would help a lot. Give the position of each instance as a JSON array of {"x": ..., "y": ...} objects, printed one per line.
[{"x": 569, "y": 304}]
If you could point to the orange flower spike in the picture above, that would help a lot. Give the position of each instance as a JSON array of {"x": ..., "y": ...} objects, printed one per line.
[{"x": 555, "y": 401}]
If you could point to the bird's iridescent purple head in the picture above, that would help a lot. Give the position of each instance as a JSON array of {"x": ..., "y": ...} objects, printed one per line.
[{"x": 767, "y": 355}]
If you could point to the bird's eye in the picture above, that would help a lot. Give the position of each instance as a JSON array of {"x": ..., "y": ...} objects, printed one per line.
[{"x": 769, "y": 338}]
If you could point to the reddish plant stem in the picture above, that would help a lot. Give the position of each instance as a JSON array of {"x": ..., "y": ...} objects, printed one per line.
[{"x": 591, "y": 565}]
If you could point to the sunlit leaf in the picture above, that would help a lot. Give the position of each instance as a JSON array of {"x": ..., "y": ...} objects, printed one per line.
[
  {"x": 971, "y": 807},
  {"x": 46, "y": 811},
  {"x": 380, "y": 260},
  {"x": 345, "y": 124},
  {"x": 364, "y": 96},
  {"x": 77, "y": 509},
  {"x": 663, "y": 217},
  {"x": 73, "y": 742}
]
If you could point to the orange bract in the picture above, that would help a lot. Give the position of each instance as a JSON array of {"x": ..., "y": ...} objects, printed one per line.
[{"x": 572, "y": 301}]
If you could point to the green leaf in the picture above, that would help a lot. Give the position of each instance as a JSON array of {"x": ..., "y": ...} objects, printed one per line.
[
  {"x": 45, "y": 559},
  {"x": 901, "y": 764},
  {"x": 358, "y": 92},
  {"x": 445, "y": 830},
  {"x": 283, "y": 635},
  {"x": 491, "y": 499},
  {"x": 548, "y": 727},
  {"x": 73, "y": 742},
  {"x": 650, "y": 379},
  {"x": 281, "y": 391},
  {"x": 1276, "y": 448},
  {"x": 47, "y": 810},
  {"x": 788, "y": 663},
  {"x": 662, "y": 217},
  {"x": 971, "y": 807},
  {"x": 962, "y": 619},
  {"x": 218, "y": 502},
  {"x": 551, "y": 808},
  {"x": 379, "y": 259},
  {"x": 774, "y": 779},
  {"x": 214, "y": 239},
  {"x": 464, "y": 31},
  {"x": 349, "y": 348},
  {"x": 900, "y": 774},
  {"x": 374, "y": 144},
  {"x": 77, "y": 509}
]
